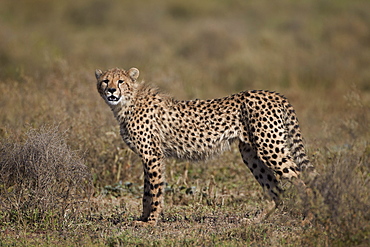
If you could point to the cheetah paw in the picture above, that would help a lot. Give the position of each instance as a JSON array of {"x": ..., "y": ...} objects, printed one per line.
[{"x": 140, "y": 223}]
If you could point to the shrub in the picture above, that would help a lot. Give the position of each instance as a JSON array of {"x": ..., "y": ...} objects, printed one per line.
[
  {"x": 343, "y": 202},
  {"x": 42, "y": 181}
]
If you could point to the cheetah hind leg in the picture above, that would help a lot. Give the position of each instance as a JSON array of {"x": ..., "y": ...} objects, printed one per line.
[
  {"x": 273, "y": 202},
  {"x": 266, "y": 212},
  {"x": 265, "y": 177}
]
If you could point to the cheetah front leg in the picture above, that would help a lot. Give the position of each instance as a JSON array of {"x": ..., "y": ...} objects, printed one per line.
[
  {"x": 153, "y": 191},
  {"x": 147, "y": 198}
]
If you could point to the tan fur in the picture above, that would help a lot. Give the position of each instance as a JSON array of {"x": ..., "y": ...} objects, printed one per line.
[{"x": 156, "y": 127}]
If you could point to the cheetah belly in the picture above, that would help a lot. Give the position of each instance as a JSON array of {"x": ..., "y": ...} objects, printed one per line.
[{"x": 194, "y": 147}]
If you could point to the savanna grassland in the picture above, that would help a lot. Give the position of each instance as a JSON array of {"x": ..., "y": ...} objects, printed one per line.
[{"x": 66, "y": 177}]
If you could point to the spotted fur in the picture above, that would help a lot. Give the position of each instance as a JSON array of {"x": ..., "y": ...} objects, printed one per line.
[{"x": 156, "y": 126}]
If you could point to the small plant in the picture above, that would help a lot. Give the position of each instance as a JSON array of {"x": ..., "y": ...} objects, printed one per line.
[
  {"x": 41, "y": 180},
  {"x": 343, "y": 204}
]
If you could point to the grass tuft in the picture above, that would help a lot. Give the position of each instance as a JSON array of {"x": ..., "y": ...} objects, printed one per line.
[{"x": 42, "y": 182}]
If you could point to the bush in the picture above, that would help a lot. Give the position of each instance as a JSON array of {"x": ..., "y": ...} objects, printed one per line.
[
  {"x": 343, "y": 201},
  {"x": 41, "y": 180}
]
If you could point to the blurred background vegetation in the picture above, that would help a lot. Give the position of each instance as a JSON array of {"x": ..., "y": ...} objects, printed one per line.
[{"x": 317, "y": 53}]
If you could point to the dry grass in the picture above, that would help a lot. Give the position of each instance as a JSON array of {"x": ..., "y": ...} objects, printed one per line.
[
  {"x": 42, "y": 182},
  {"x": 345, "y": 205},
  {"x": 314, "y": 52}
]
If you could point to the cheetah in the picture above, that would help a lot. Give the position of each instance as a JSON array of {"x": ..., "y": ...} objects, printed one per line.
[{"x": 156, "y": 126}]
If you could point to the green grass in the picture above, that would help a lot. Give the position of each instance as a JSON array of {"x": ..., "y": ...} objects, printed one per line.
[{"x": 314, "y": 52}]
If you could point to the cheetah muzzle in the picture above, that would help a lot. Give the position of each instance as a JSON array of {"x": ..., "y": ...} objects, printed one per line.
[
  {"x": 156, "y": 126},
  {"x": 113, "y": 99}
]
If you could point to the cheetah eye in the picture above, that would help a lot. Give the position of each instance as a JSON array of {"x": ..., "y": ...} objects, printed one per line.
[
  {"x": 105, "y": 81},
  {"x": 120, "y": 81}
]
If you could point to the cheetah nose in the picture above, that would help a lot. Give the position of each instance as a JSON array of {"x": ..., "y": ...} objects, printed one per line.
[{"x": 111, "y": 90}]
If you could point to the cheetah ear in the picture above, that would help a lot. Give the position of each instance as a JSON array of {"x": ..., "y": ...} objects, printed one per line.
[
  {"x": 98, "y": 73},
  {"x": 133, "y": 73}
]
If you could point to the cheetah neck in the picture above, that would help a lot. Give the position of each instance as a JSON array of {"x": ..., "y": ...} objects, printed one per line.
[
  {"x": 121, "y": 111},
  {"x": 139, "y": 95},
  {"x": 124, "y": 108}
]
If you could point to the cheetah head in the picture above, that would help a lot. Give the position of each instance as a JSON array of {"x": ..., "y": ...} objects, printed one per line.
[{"x": 115, "y": 85}]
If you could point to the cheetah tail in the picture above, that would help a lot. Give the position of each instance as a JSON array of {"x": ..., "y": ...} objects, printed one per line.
[{"x": 295, "y": 141}]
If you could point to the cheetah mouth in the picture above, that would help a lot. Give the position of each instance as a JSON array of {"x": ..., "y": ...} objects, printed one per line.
[{"x": 112, "y": 98}]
